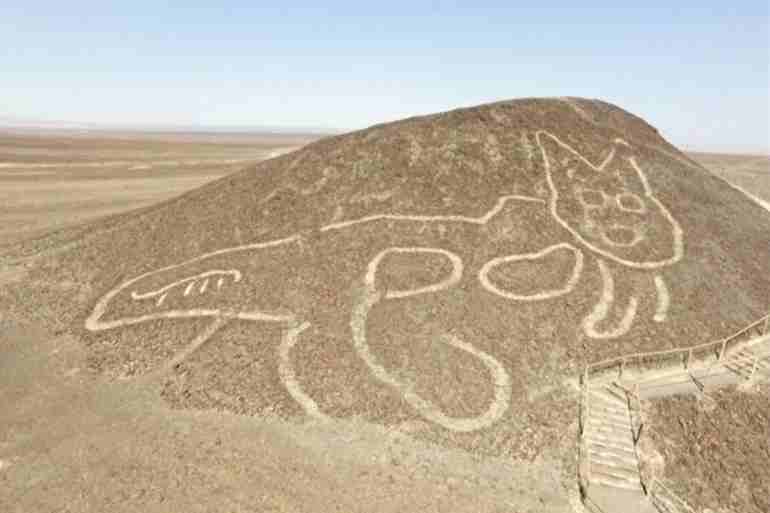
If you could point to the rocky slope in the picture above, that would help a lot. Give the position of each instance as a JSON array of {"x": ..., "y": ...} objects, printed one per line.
[{"x": 443, "y": 275}]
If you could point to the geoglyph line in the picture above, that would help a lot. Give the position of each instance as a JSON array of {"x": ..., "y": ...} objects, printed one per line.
[
  {"x": 429, "y": 410},
  {"x": 501, "y": 381},
  {"x": 191, "y": 280},
  {"x": 678, "y": 244},
  {"x": 602, "y": 309},
  {"x": 289, "y": 377},
  {"x": 452, "y": 279},
  {"x": 370, "y": 297},
  {"x": 548, "y": 294},
  {"x": 94, "y": 322},
  {"x": 664, "y": 299},
  {"x": 501, "y": 201},
  {"x": 195, "y": 344}
]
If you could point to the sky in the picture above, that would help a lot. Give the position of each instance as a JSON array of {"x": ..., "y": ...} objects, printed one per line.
[{"x": 697, "y": 71}]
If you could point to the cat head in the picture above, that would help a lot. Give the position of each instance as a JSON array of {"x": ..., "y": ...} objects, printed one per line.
[{"x": 610, "y": 207}]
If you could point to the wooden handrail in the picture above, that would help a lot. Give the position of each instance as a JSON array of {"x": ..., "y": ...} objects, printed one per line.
[
  {"x": 622, "y": 360},
  {"x": 681, "y": 503}
]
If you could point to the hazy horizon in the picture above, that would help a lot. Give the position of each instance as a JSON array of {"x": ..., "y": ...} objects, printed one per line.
[
  {"x": 699, "y": 72},
  {"x": 36, "y": 126}
]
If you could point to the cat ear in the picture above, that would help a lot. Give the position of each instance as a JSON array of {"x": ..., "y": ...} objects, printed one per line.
[
  {"x": 619, "y": 153},
  {"x": 621, "y": 164},
  {"x": 560, "y": 160}
]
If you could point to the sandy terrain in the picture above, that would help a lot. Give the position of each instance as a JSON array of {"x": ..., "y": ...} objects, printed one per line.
[
  {"x": 55, "y": 179},
  {"x": 354, "y": 326},
  {"x": 751, "y": 173}
]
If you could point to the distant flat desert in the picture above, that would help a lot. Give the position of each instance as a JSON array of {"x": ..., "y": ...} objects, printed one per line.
[
  {"x": 750, "y": 173},
  {"x": 52, "y": 180}
]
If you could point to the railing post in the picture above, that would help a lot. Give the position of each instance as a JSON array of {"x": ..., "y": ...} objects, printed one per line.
[
  {"x": 586, "y": 408},
  {"x": 688, "y": 359},
  {"x": 754, "y": 367},
  {"x": 622, "y": 368},
  {"x": 638, "y": 435},
  {"x": 766, "y": 329},
  {"x": 724, "y": 348}
]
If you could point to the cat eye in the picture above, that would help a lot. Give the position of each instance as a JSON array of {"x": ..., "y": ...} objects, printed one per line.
[
  {"x": 623, "y": 236},
  {"x": 591, "y": 197},
  {"x": 630, "y": 202}
]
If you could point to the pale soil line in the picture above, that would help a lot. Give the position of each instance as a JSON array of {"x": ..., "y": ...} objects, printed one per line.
[
  {"x": 677, "y": 233},
  {"x": 602, "y": 309},
  {"x": 452, "y": 279},
  {"x": 501, "y": 381},
  {"x": 191, "y": 281},
  {"x": 94, "y": 322},
  {"x": 759, "y": 201},
  {"x": 577, "y": 270},
  {"x": 195, "y": 344},
  {"x": 664, "y": 299},
  {"x": 289, "y": 377},
  {"x": 437, "y": 218}
]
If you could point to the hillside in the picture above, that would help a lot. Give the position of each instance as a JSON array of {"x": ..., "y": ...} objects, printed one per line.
[{"x": 445, "y": 276}]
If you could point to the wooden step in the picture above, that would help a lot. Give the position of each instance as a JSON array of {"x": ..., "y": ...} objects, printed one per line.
[
  {"x": 612, "y": 430},
  {"x": 608, "y": 453},
  {"x": 625, "y": 438},
  {"x": 631, "y": 475},
  {"x": 613, "y": 460},
  {"x": 609, "y": 396},
  {"x": 610, "y": 480},
  {"x": 618, "y": 412},
  {"x": 748, "y": 364},
  {"x": 612, "y": 444},
  {"x": 749, "y": 357},
  {"x": 604, "y": 421}
]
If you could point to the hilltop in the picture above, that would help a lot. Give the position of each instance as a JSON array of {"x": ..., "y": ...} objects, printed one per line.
[{"x": 445, "y": 276}]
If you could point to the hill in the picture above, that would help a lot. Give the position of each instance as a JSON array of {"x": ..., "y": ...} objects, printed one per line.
[{"x": 445, "y": 276}]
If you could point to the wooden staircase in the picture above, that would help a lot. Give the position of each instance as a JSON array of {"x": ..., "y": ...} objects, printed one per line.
[
  {"x": 609, "y": 470},
  {"x": 609, "y": 439},
  {"x": 612, "y": 479},
  {"x": 748, "y": 364}
]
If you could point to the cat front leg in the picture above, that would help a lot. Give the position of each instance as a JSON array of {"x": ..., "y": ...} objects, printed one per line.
[{"x": 610, "y": 317}]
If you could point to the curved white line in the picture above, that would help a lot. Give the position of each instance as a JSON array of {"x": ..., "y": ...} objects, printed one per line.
[
  {"x": 501, "y": 201},
  {"x": 610, "y": 242},
  {"x": 191, "y": 279},
  {"x": 289, "y": 377},
  {"x": 607, "y": 160},
  {"x": 548, "y": 294},
  {"x": 190, "y": 314},
  {"x": 678, "y": 243},
  {"x": 664, "y": 299},
  {"x": 195, "y": 344},
  {"x": 429, "y": 410},
  {"x": 602, "y": 309},
  {"x": 452, "y": 279},
  {"x": 94, "y": 322}
]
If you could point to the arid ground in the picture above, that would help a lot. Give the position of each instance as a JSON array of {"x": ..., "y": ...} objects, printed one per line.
[
  {"x": 92, "y": 419},
  {"x": 82, "y": 445},
  {"x": 749, "y": 172},
  {"x": 54, "y": 179}
]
